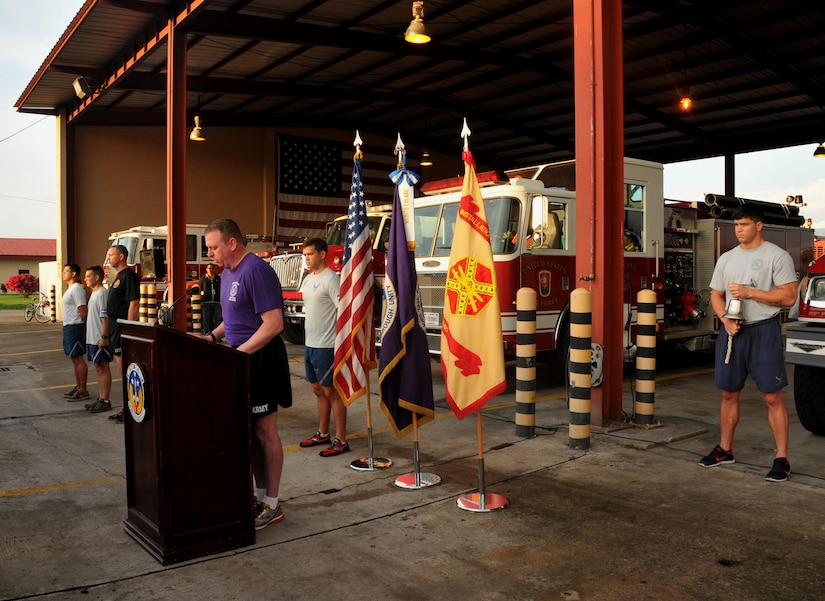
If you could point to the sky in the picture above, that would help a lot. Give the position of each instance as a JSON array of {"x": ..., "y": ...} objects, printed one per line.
[{"x": 28, "y": 149}]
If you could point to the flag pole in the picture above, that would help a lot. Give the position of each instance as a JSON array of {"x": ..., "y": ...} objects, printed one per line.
[
  {"x": 416, "y": 480},
  {"x": 368, "y": 463},
  {"x": 481, "y": 502}
]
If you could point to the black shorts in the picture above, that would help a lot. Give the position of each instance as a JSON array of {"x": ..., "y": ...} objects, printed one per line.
[
  {"x": 114, "y": 335},
  {"x": 269, "y": 380}
]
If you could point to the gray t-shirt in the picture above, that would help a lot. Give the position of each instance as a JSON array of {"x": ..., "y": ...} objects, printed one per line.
[
  {"x": 320, "y": 293},
  {"x": 97, "y": 311},
  {"x": 765, "y": 268}
]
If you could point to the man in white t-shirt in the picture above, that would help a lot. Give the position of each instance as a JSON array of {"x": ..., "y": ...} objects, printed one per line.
[
  {"x": 320, "y": 294},
  {"x": 74, "y": 330}
]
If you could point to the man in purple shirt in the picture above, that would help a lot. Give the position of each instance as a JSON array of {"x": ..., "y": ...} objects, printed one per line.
[{"x": 253, "y": 319}]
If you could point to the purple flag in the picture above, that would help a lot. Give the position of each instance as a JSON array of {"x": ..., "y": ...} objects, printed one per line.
[{"x": 405, "y": 376}]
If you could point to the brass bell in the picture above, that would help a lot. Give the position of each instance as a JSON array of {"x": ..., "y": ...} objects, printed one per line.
[{"x": 734, "y": 310}]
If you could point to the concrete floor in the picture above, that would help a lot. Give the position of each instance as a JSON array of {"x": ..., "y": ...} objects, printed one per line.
[{"x": 633, "y": 518}]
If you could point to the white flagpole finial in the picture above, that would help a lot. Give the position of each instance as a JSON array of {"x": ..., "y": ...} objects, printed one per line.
[
  {"x": 358, "y": 141},
  {"x": 466, "y": 133},
  {"x": 399, "y": 145}
]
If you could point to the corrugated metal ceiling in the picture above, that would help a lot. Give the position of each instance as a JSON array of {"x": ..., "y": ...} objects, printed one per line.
[{"x": 754, "y": 69}]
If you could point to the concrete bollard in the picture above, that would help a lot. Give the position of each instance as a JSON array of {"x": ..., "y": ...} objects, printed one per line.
[
  {"x": 197, "y": 313},
  {"x": 581, "y": 332},
  {"x": 53, "y": 303},
  {"x": 143, "y": 310},
  {"x": 645, "y": 357},
  {"x": 152, "y": 303},
  {"x": 526, "y": 362}
]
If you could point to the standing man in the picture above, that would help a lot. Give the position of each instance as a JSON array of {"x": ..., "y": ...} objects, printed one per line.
[
  {"x": 253, "y": 318},
  {"x": 74, "y": 330},
  {"x": 210, "y": 286},
  {"x": 123, "y": 303},
  {"x": 762, "y": 276},
  {"x": 320, "y": 293},
  {"x": 97, "y": 347}
]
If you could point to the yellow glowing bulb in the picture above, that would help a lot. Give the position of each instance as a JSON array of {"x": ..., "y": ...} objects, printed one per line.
[{"x": 685, "y": 102}]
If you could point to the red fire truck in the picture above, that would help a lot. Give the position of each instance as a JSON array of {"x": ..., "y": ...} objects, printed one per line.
[{"x": 291, "y": 268}]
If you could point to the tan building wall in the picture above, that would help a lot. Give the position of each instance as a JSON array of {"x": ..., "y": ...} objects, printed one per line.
[{"x": 10, "y": 267}]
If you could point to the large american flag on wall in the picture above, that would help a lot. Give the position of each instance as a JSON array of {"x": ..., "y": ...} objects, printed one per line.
[{"x": 315, "y": 181}]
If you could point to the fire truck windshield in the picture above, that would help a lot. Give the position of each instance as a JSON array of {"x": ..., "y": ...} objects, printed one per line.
[
  {"x": 435, "y": 226},
  {"x": 130, "y": 242},
  {"x": 337, "y": 231}
]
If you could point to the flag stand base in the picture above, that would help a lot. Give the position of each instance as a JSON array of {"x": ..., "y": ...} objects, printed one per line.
[
  {"x": 408, "y": 481},
  {"x": 364, "y": 465},
  {"x": 478, "y": 503}
]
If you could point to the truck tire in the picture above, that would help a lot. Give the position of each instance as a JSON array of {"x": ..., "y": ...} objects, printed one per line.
[
  {"x": 808, "y": 384},
  {"x": 293, "y": 333}
]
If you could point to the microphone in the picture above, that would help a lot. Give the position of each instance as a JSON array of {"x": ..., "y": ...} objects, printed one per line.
[{"x": 166, "y": 313}]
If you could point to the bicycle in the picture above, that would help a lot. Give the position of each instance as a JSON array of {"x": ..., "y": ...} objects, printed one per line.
[{"x": 41, "y": 310}]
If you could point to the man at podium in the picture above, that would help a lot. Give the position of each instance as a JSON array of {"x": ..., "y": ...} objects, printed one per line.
[{"x": 253, "y": 318}]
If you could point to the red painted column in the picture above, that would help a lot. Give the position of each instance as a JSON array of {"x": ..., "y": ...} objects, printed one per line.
[
  {"x": 597, "y": 51},
  {"x": 176, "y": 171}
]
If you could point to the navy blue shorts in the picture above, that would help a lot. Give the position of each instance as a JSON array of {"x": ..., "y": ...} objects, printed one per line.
[
  {"x": 98, "y": 354},
  {"x": 758, "y": 351},
  {"x": 74, "y": 340},
  {"x": 318, "y": 365}
]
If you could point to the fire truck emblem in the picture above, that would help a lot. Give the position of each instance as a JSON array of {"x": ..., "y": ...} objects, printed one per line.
[
  {"x": 469, "y": 287},
  {"x": 136, "y": 391},
  {"x": 544, "y": 283}
]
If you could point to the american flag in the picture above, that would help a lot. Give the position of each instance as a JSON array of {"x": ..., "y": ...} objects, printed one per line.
[
  {"x": 355, "y": 330},
  {"x": 314, "y": 181}
]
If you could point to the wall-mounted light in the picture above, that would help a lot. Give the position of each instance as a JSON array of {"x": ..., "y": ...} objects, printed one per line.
[
  {"x": 197, "y": 131},
  {"x": 81, "y": 87},
  {"x": 416, "y": 33}
]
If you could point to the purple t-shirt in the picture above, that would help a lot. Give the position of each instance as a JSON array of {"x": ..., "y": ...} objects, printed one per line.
[{"x": 247, "y": 291}]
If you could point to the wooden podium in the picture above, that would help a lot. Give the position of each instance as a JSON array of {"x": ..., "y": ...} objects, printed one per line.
[{"x": 188, "y": 437}]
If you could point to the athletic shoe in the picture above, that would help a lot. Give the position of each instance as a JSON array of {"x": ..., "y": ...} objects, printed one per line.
[
  {"x": 78, "y": 395},
  {"x": 268, "y": 516},
  {"x": 780, "y": 471},
  {"x": 100, "y": 406},
  {"x": 337, "y": 448},
  {"x": 68, "y": 395},
  {"x": 117, "y": 417},
  {"x": 718, "y": 456},
  {"x": 315, "y": 439}
]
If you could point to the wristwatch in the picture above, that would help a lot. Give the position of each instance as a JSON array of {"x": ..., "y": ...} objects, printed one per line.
[{"x": 104, "y": 338}]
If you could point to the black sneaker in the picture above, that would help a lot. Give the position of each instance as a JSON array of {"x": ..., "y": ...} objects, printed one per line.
[
  {"x": 117, "y": 417},
  {"x": 780, "y": 471},
  {"x": 77, "y": 395},
  {"x": 100, "y": 405},
  {"x": 718, "y": 456},
  {"x": 70, "y": 394}
]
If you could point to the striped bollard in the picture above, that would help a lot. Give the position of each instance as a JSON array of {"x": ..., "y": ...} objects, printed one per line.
[
  {"x": 645, "y": 357},
  {"x": 197, "y": 313},
  {"x": 53, "y": 303},
  {"x": 152, "y": 303},
  {"x": 143, "y": 311},
  {"x": 188, "y": 313},
  {"x": 581, "y": 331},
  {"x": 526, "y": 362}
]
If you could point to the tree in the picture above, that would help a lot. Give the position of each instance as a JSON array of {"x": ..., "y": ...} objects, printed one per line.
[{"x": 24, "y": 283}]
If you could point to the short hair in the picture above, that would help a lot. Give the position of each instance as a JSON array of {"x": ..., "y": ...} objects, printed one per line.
[
  {"x": 319, "y": 243},
  {"x": 227, "y": 228},
  {"x": 96, "y": 270},
  {"x": 122, "y": 250},
  {"x": 749, "y": 210},
  {"x": 208, "y": 265},
  {"x": 73, "y": 267}
]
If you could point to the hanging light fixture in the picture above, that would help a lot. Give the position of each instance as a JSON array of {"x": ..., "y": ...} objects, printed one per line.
[
  {"x": 426, "y": 161},
  {"x": 416, "y": 33},
  {"x": 686, "y": 100},
  {"x": 819, "y": 151},
  {"x": 197, "y": 131}
]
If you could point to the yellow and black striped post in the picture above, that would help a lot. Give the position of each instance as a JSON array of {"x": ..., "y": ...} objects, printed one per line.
[
  {"x": 581, "y": 332},
  {"x": 152, "y": 303},
  {"x": 645, "y": 357},
  {"x": 53, "y": 303},
  {"x": 143, "y": 311},
  {"x": 197, "y": 313},
  {"x": 526, "y": 362},
  {"x": 188, "y": 313}
]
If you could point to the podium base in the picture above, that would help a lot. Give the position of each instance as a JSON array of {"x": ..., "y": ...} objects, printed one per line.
[
  {"x": 407, "y": 481},
  {"x": 472, "y": 502},
  {"x": 378, "y": 463}
]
